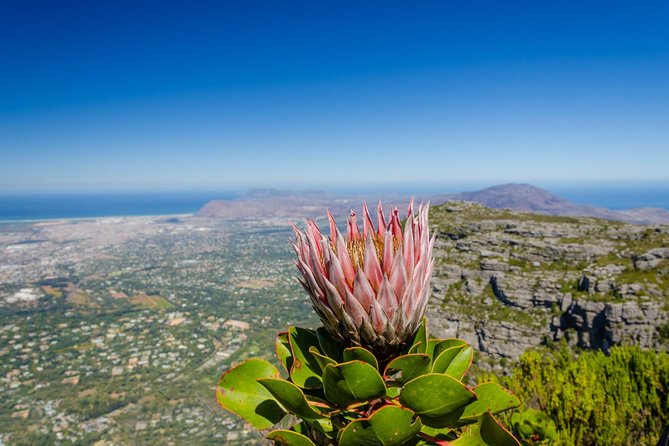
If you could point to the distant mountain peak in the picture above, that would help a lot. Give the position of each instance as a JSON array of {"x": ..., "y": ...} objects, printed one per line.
[
  {"x": 523, "y": 197},
  {"x": 516, "y": 196}
]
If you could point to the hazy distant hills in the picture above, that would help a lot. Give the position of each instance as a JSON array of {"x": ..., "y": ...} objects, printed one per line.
[
  {"x": 274, "y": 203},
  {"x": 516, "y": 197},
  {"x": 528, "y": 198}
]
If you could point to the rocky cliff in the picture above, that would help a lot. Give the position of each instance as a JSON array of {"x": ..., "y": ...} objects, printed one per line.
[{"x": 507, "y": 281}]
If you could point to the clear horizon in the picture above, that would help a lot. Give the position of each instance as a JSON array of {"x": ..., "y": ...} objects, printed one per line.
[
  {"x": 360, "y": 188},
  {"x": 133, "y": 97},
  {"x": 48, "y": 206}
]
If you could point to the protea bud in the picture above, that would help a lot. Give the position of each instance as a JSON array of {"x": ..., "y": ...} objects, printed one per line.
[{"x": 369, "y": 288}]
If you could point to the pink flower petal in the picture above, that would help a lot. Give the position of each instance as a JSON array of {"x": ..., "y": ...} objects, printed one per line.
[
  {"x": 409, "y": 246},
  {"x": 367, "y": 225},
  {"x": 387, "y": 298},
  {"x": 399, "y": 321},
  {"x": 381, "y": 221},
  {"x": 408, "y": 298},
  {"x": 312, "y": 229},
  {"x": 425, "y": 292},
  {"x": 396, "y": 226},
  {"x": 371, "y": 266},
  {"x": 314, "y": 251},
  {"x": 355, "y": 309},
  {"x": 398, "y": 275},
  {"x": 363, "y": 291},
  {"x": 345, "y": 261},
  {"x": 388, "y": 254},
  {"x": 334, "y": 299},
  {"x": 418, "y": 274},
  {"x": 377, "y": 317},
  {"x": 333, "y": 228},
  {"x": 316, "y": 290},
  {"x": 353, "y": 230},
  {"x": 299, "y": 242},
  {"x": 336, "y": 274}
]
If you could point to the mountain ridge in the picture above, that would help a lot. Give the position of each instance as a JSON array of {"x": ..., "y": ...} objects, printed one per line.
[
  {"x": 523, "y": 197},
  {"x": 519, "y": 197}
]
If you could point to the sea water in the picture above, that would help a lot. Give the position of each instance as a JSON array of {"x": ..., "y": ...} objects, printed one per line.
[
  {"x": 54, "y": 206},
  {"x": 615, "y": 195}
]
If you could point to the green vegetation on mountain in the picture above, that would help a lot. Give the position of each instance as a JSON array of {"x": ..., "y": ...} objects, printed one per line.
[{"x": 593, "y": 398}]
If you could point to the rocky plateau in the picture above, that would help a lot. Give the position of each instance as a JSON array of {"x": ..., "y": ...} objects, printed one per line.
[{"x": 507, "y": 281}]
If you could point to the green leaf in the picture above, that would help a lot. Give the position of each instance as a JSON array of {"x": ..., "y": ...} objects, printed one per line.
[
  {"x": 317, "y": 401},
  {"x": 454, "y": 361},
  {"x": 352, "y": 382},
  {"x": 410, "y": 366},
  {"x": 321, "y": 359},
  {"x": 305, "y": 371},
  {"x": 290, "y": 397},
  {"x": 388, "y": 426},
  {"x": 444, "y": 358},
  {"x": 289, "y": 438},
  {"x": 324, "y": 425},
  {"x": 421, "y": 338},
  {"x": 438, "y": 433},
  {"x": 300, "y": 428},
  {"x": 493, "y": 432},
  {"x": 488, "y": 432},
  {"x": 359, "y": 353},
  {"x": 461, "y": 363},
  {"x": 331, "y": 347},
  {"x": 239, "y": 392},
  {"x": 431, "y": 345},
  {"x": 438, "y": 399},
  {"x": 444, "y": 344},
  {"x": 491, "y": 398},
  {"x": 415, "y": 348},
  {"x": 282, "y": 347},
  {"x": 392, "y": 392}
]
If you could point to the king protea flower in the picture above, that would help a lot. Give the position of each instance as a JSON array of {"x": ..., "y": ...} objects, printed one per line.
[{"x": 369, "y": 288}]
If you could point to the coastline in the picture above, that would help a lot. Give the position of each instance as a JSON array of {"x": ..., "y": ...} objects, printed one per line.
[{"x": 102, "y": 217}]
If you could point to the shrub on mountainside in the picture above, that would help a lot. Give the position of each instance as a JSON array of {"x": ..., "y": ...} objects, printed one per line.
[{"x": 596, "y": 399}]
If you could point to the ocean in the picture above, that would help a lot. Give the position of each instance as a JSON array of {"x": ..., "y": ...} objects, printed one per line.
[
  {"x": 54, "y": 206},
  {"x": 614, "y": 196}
]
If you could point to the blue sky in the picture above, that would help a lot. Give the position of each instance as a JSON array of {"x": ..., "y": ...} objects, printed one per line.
[{"x": 201, "y": 95}]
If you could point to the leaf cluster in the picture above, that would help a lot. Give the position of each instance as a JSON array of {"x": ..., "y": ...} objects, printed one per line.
[
  {"x": 534, "y": 427},
  {"x": 345, "y": 396}
]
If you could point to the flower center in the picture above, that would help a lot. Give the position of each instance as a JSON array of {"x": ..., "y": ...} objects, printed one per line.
[{"x": 357, "y": 248}]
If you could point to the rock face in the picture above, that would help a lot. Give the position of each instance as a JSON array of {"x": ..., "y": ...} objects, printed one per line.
[{"x": 508, "y": 281}]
